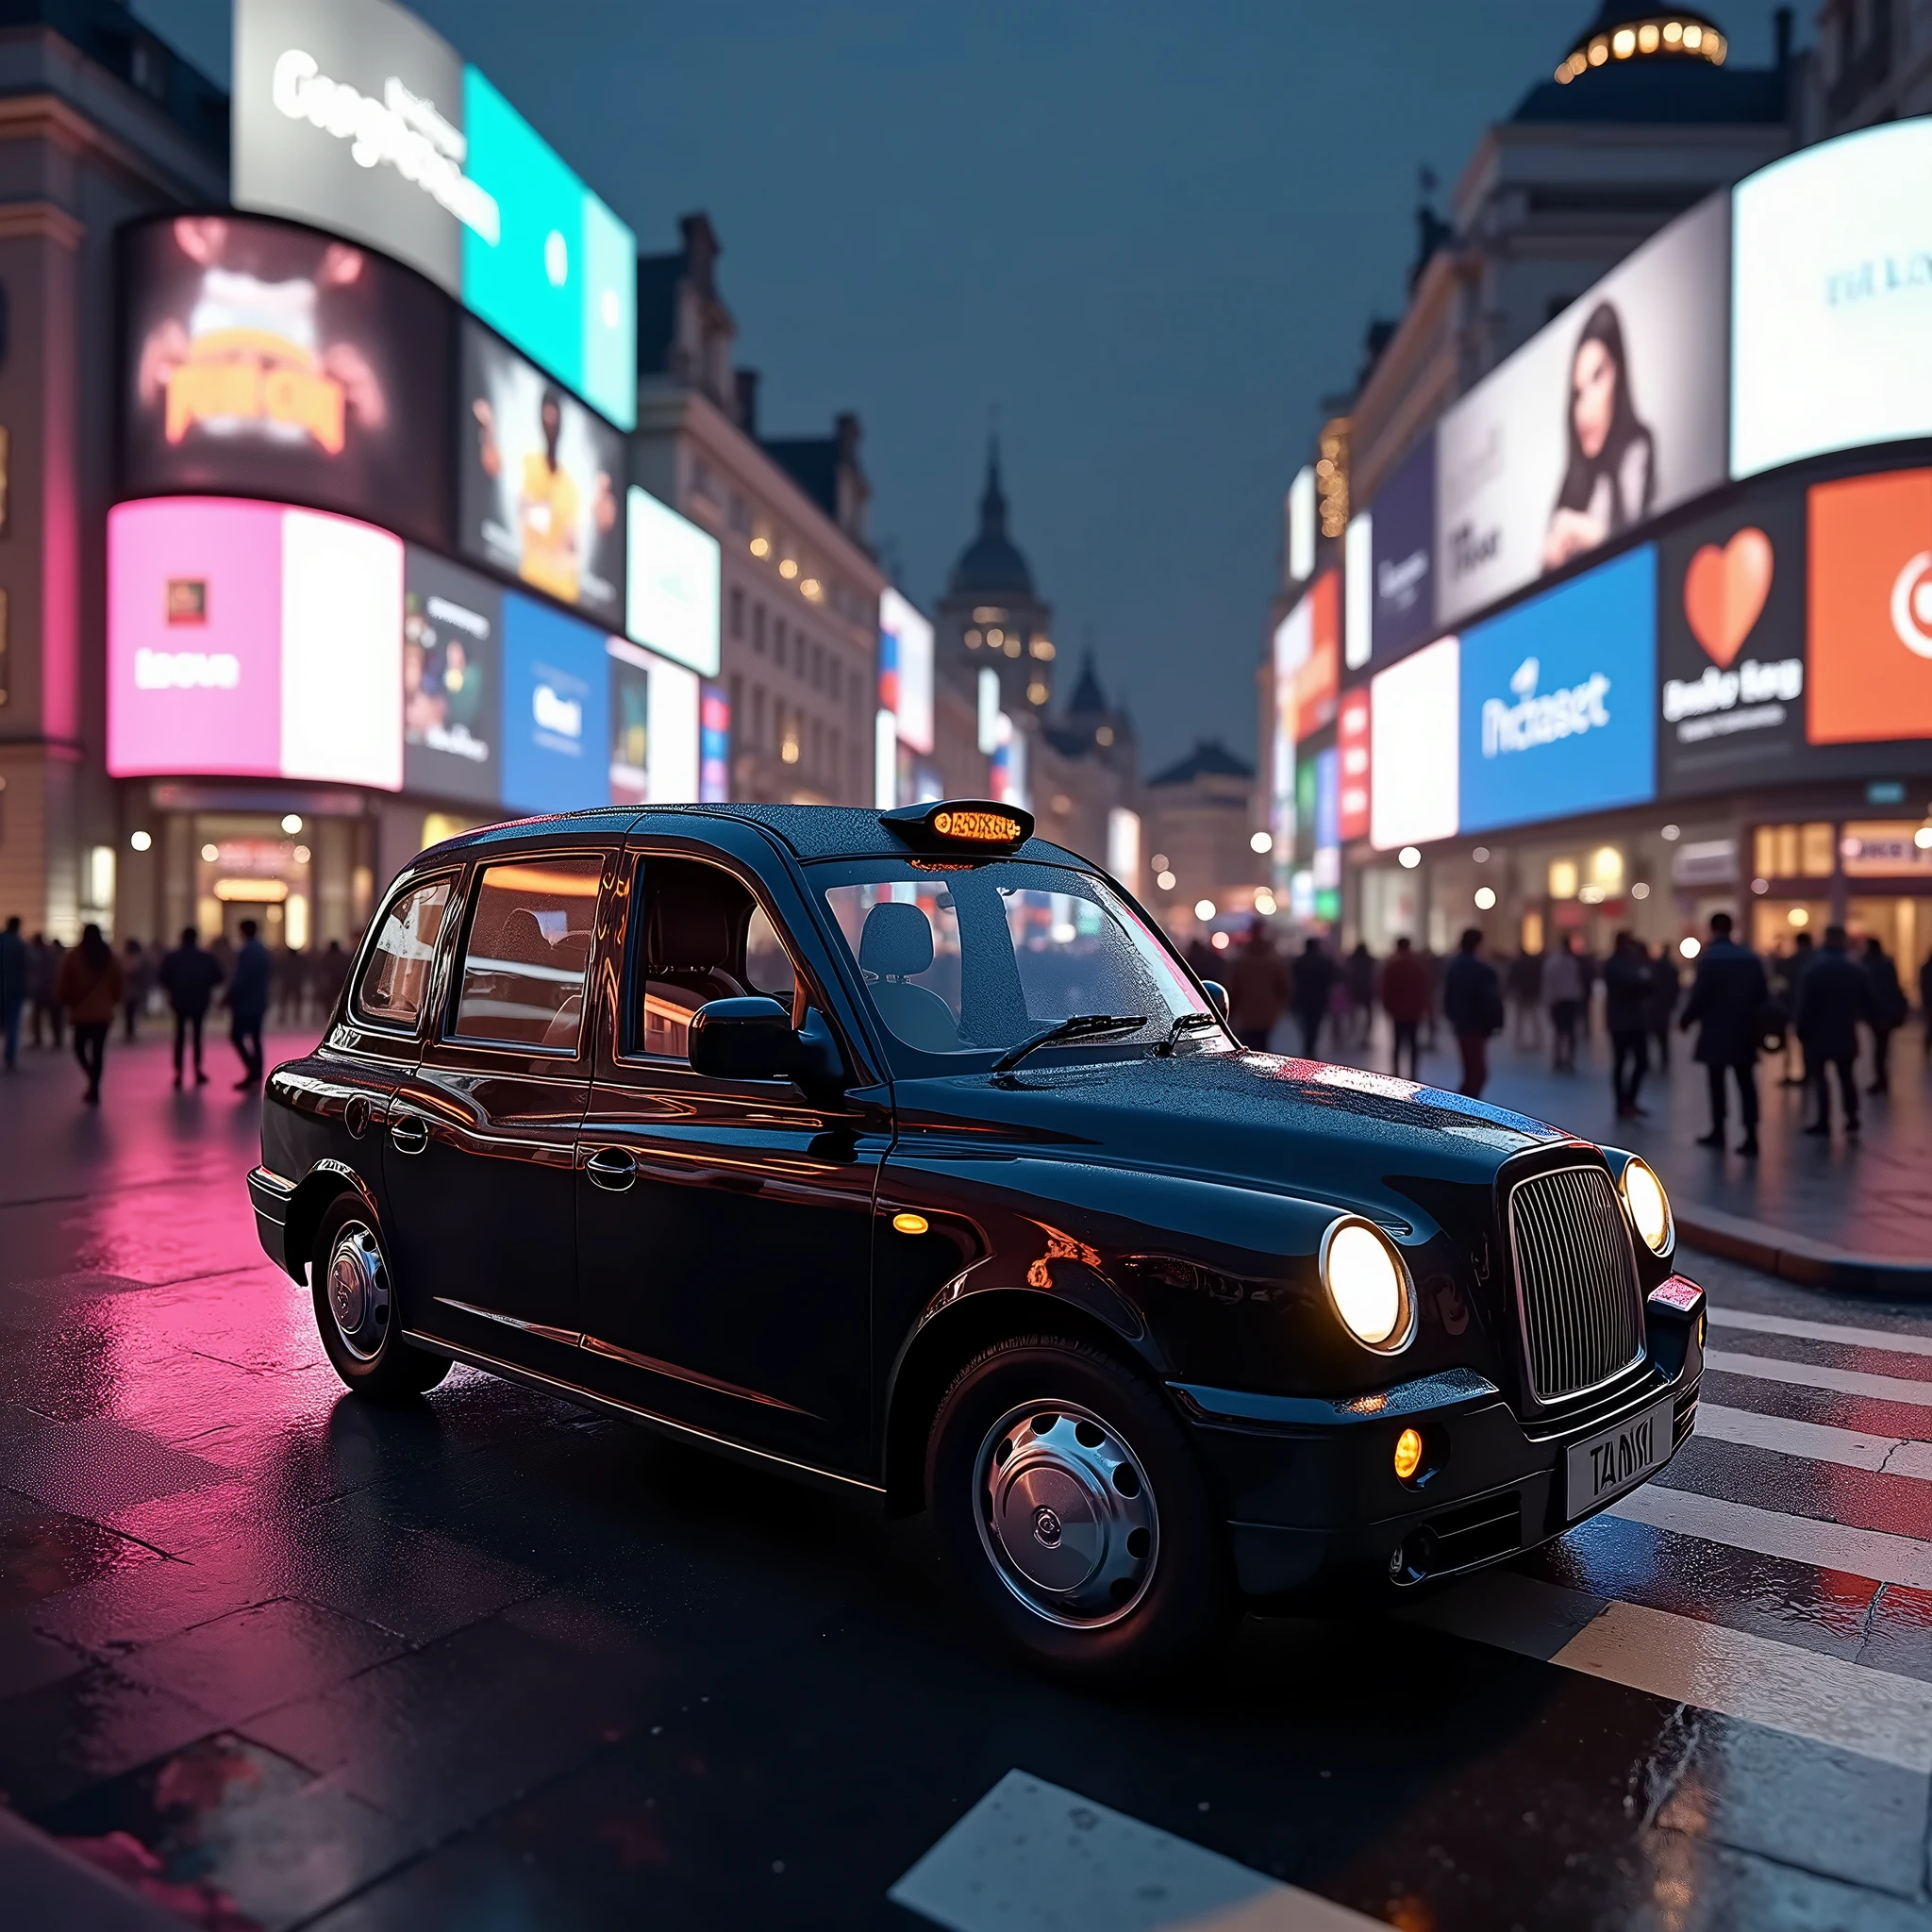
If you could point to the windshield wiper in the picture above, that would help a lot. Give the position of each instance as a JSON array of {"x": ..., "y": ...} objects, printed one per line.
[
  {"x": 1080, "y": 1026},
  {"x": 1184, "y": 1023}
]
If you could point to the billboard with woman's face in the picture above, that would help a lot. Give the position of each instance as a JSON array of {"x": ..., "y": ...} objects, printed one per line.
[{"x": 1612, "y": 414}]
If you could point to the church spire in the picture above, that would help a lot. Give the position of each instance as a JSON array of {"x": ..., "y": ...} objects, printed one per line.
[{"x": 993, "y": 500}]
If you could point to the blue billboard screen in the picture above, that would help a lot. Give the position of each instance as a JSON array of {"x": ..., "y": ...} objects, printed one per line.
[
  {"x": 1558, "y": 712},
  {"x": 556, "y": 710}
]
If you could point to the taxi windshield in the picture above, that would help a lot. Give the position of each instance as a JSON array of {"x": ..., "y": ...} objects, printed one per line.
[{"x": 961, "y": 962}]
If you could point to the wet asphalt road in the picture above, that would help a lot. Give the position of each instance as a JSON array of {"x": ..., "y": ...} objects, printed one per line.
[{"x": 496, "y": 1661}]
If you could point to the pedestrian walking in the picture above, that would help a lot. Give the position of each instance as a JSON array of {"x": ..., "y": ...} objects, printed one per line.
[
  {"x": 1432, "y": 968},
  {"x": 1889, "y": 1010},
  {"x": 137, "y": 977},
  {"x": 1627, "y": 993},
  {"x": 1563, "y": 991},
  {"x": 1256, "y": 987},
  {"x": 332, "y": 975},
  {"x": 12, "y": 987},
  {"x": 1526, "y": 984},
  {"x": 44, "y": 957},
  {"x": 1405, "y": 998},
  {"x": 1804, "y": 949},
  {"x": 1360, "y": 977},
  {"x": 1315, "y": 973},
  {"x": 189, "y": 977},
  {"x": 1727, "y": 1006},
  {"x": 248, "y": 994},
  {"x": 1472, "y": 1005},
  {"x": 1665, "y": 990},
  {"x": 292, "y": 984},
  {"x": 1835, "y": 996},
  {"x": 90, "y": 990}
]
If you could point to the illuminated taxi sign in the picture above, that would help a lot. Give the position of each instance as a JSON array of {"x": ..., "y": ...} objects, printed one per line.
[{"x": 956, "y": 824}]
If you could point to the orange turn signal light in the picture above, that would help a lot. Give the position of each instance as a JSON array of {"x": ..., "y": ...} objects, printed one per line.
[
  {"x": 909, "y": 1224},
  {"x": 1409, "y": 1453}
]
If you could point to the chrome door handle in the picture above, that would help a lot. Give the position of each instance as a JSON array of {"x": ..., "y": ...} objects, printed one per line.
[
  {"x": 408, "y": 1135},
  {"x": 611, "y": 1169}
]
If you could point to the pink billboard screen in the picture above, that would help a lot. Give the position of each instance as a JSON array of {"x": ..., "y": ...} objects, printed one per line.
[{"x": 248, "y": 640}]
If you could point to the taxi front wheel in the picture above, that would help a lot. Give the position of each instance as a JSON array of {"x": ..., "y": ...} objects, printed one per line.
[
  {"x": 1065, "y": 1496},
  {"x": 356, "y": 1310}
]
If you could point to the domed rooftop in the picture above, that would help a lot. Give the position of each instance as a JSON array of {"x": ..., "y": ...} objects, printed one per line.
[
  {"x": 1625, "y": 32},
  {"x": 992, "y": 562}
]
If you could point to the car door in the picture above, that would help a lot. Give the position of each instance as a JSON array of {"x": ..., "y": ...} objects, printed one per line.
[
  {"x": 724, "y": 1226},
  {"x": 482, "y": 1134}
]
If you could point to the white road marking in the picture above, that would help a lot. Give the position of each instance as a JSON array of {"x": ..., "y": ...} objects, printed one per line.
[
  {"x": 1820, "y": 1331},
  {"x": 1803, "y": 1693},
  {"x": 1031, "y": 1856},
  {"x": 1771, "y": 1368},
  {"x": 1815, "y": 1441},
  {"x": 1873, "y": 1553}
]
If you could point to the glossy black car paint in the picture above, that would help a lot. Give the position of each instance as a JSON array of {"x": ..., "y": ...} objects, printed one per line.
[{"x": 721, "y": 1257}]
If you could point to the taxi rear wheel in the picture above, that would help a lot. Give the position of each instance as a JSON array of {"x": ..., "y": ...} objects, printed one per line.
[
  {"x": 1067, "y": 1499},
  {"x": 356, "y": 1310}
]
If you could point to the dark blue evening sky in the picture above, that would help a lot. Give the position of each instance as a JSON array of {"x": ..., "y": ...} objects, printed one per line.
[{"x": 1149, "y": 235}]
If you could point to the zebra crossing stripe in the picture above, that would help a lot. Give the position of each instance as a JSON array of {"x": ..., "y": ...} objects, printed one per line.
[
  {"x": 1800, "y": 1329},
  {"x": 1814, "y": 1441},
  {"x": 1873, "y": 1553},
  {"x": 1033, "y": 1857},
  {"x": 1737, "y": 1673},
  {"x": 1771, "y": 1368}
]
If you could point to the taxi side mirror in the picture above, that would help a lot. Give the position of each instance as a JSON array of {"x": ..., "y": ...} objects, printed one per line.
[
  {"x": 1217, "y": 995},
  {"x": 752, "y": 1039}
]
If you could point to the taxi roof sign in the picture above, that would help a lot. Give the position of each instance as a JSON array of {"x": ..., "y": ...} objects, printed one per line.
[{"x": 961, "y": 824}]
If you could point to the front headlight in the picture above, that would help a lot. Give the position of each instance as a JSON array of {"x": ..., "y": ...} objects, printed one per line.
[
  {"x": 1368, "y": 1285},
  {"x": 1649, "y": 1206}
]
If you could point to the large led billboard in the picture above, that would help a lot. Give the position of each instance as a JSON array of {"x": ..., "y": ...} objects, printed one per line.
[
  {"x": 251, "y": 639},
  {"x": 556, "y": 710},
  {"x": 905, "y": 670},
  {"x": 354, "y": 115},
  {"x": 1413, "y": 792},
  {"x": 673, "y": 585},
  {"x": 264, "y": 359},
  {"x": 1611, "y": 414},
  {"x": 1832, "y": 300},
  {"x": 1351, "y": 742},
  {"x": 1871, "y": 610},
  {"x": 1731, "y": 646},
  {"x": 1402, "y": 557},
  {"x": 452, "y": 680},
  {"x": 538, "y": 482},
  {"x": 1558, "y": 706},
  {"x": 656, "y": 728}
]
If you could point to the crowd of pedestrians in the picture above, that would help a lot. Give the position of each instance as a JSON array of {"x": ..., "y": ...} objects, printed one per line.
[
  {"x": 1809, "y": 1005},
  {"x": 47, "y": 988}
]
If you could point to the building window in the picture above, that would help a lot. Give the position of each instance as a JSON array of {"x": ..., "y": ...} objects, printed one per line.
[
  {"x": 736, "y": 611},
  {"x": 778, "y": 643},
  {"x": 757, "y": 629},
  {"x": 738, "y": 699},
  {"x": 818, "y": 748}
]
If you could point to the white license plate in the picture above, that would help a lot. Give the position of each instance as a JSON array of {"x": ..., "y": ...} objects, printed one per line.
[{"x": 1607, "y": 1464}]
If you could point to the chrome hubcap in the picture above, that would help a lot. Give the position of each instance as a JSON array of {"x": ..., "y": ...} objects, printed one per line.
[
  {"x": 1066, "y": 1514},
  {"x": 357, "y": 1285}
]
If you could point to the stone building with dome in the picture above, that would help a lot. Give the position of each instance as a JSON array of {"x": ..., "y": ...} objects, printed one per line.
[{"x": 991, "y": 614}]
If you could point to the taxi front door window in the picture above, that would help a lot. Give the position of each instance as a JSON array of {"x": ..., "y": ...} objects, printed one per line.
[{"x": 706, "y": 938}]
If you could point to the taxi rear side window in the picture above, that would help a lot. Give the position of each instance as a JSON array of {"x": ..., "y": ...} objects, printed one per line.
[
  {"x": 529, "y": 954},
  {"x": 394, "y": 983}
]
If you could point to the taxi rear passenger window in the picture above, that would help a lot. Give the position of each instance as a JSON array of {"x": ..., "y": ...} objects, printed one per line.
[
  {"x": 397, "y": 975},
  {"x": 528, "y": 953}
]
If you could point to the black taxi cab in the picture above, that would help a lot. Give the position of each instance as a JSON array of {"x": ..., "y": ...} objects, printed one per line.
[{"x": 901, "y": 1151}]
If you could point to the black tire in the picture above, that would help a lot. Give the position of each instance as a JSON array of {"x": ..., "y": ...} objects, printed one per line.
[
  {"x": 1108, "y": 1494},
  {"x": 359, "y": 1320}
]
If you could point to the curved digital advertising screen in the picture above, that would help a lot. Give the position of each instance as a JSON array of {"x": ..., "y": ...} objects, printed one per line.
[{"x": 265, "y": 360}]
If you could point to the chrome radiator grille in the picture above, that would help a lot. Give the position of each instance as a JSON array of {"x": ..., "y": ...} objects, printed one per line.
[{"x": 1575, "y": 1279}]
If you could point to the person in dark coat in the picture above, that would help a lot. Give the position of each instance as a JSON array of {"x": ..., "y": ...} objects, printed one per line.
[
  {"x": 1257, "y": 979},
  {"x": 189, "y": 977},
  {"x": 1727, "y": 1003},
  {"x": 42, "y": 969},
  {"x": 1525, "y": 983},
  {"x": 248, "y": 990},
  {"x": 1405, "y": 994},
  {"x": 137, "y": 977},
  {"x": 1628, "y": 993},
  {"x": 90, "y": 991},
  {"x": 1835, "y": 996},
  {"x": 1889, "y": 1010},
  {"x": 1315, "y": 975},
  {"x": 1665, "y": 990},
  {"x": 12, "y": 988},
  {"x": 1472, "y": 1005},
  {"x": 1788, "y": 984}
]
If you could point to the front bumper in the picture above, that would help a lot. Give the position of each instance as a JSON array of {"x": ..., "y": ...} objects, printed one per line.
[
  {"x": 1314, "y": 1505},
  {"x": 269, "y": 1195}
]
